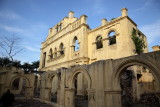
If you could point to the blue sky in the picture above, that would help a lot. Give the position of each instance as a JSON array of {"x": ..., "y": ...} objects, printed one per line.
[{"x": 31, "y": 19}]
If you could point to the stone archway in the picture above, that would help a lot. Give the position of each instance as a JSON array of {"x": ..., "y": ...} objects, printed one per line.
[
  {"x": 70, "y": 92},
  {"x": 23, "y": 86},
  {"x": 75, "y": 73},
  {"x": 50, "y": 96},
  {"x": 132, "y": 62}
]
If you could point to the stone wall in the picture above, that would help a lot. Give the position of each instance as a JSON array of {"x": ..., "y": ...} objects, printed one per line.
[{"x": 102, "y": 80}]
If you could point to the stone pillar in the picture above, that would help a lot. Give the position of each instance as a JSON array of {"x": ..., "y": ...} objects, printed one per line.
[
  {"x": 47, "y": 94},
  {"x": 69, "y": 97},
  {"x": 113, "y": 98},
  {"x": 29, "y": 92},
  {"x": 91, "y": 98}
]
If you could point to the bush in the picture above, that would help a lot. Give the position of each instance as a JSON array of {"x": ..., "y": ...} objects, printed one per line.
[{"x": 7, "y": 99}]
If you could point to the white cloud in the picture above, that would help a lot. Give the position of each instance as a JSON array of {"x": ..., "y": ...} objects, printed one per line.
[
  {"x": 152, "y": 31},
  {"x": 13, "y": 29},
  {"x": 9, "y": 14},
  {"x": 27, "y": 31},
  {"x": 33, "y": 49},
  {"x": 145, "y": 5}
]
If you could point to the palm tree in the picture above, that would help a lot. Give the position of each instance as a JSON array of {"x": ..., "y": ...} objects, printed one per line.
[
  {"x": 17, "y": 63},
  {"x": 35, "y": 65},
  {"x": 26, "y": 67}
]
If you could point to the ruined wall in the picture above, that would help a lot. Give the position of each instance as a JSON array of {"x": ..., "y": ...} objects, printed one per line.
[{"x": 103, "y": 80}]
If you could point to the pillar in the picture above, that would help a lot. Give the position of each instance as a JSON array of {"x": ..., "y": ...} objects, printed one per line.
[
  {"x": 91, "y": 98},
  {"x": 113, "y": 98},
  {"x": 69, "y": 97},
  {"x": 29, "y": 92},
  {"x": 47, "y": 94}
]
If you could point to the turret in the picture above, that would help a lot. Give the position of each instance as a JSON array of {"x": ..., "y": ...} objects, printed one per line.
[
  {"x": 124, "y": 12},
  {"x": 71, "y": 14},
  {"x": 103, "y": 22}
]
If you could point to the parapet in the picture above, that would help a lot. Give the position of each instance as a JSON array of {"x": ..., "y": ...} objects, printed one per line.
[{"x": 156, "y": 48}]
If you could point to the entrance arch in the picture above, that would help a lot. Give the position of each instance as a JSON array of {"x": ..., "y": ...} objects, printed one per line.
[
  {"x": 52, "y": 87},
  {"x": 75, "y": 73},
  {"x": 23, "y": 85},
  {"x": 87, "y": 98},
  {"x": 121, "y": 69},
  {"x": 125, "y": 64}
]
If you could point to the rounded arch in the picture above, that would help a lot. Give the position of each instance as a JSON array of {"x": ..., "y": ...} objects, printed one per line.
[
  {"x": 75, "y": 43},
  {"x": 61, "y": 48},
  {"x": 112, "y": 36},
  {"x": 112, "y": 30},
  {"x": 75, "y": 73},
  {"x": 49, "y": 80},
  {"x": 127, "y": 63},
  {"x": 99, "y": 43},
  {"x": 50, "y": 53},
  {"x": 98, "y": 38},
  {"x": 74, "y": 40},
  {"x": 20, "y": 76}
]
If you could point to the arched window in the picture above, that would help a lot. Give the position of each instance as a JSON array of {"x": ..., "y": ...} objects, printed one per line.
[
  {"x": 112, "y": 37},
  {"x": 55, "y": 52},
  {"x": 50, "y": 54},
  {"x": 99, "y": 43},
  {"x": 76, "y": 44},
  {"x": 61, "y": 49}
]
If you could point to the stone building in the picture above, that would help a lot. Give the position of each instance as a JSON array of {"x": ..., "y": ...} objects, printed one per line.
[
  {"x": 81, "y": 64},
  {"x": 71, "y": 42},
  {"x": 92, "y": 67}
]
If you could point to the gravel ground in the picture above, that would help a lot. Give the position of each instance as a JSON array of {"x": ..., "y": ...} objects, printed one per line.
[{"x": 29, "y": 103}]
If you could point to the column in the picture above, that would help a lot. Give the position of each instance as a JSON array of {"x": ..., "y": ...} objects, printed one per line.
[
  {"x": 69, "y": 97},
  {"x": 113, "y": 98},
  {"x": 29, "y": 92},
  {"x": 47, "y": 94},
  {"x": 91, "y": 98}
]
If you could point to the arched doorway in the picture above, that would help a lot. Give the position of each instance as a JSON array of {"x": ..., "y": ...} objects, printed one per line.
[
  {"x": 80, "y": 81},
  {"x": 19, "y": 85},
  {"x": 53, "y": 86},
  {"x": 138, "y": 82}
]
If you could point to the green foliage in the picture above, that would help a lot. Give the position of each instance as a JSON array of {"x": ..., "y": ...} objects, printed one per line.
[
  {"x": 7, "y": 99},
  {"x": 35, "y": 65},
  {"x": 4, "y": 61},
  {"x": 139, "y": 42}
]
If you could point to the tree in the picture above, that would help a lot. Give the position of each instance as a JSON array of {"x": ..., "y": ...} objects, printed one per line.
[
  {"x": 35, "y": 65},
  {"x": 17, "y": 64},
  {"x": 10, "y": 46},
  {"x": 26, "y": 67},
  {"x": 139, "y": 42},
  {"x": 4, "y": 61}
]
